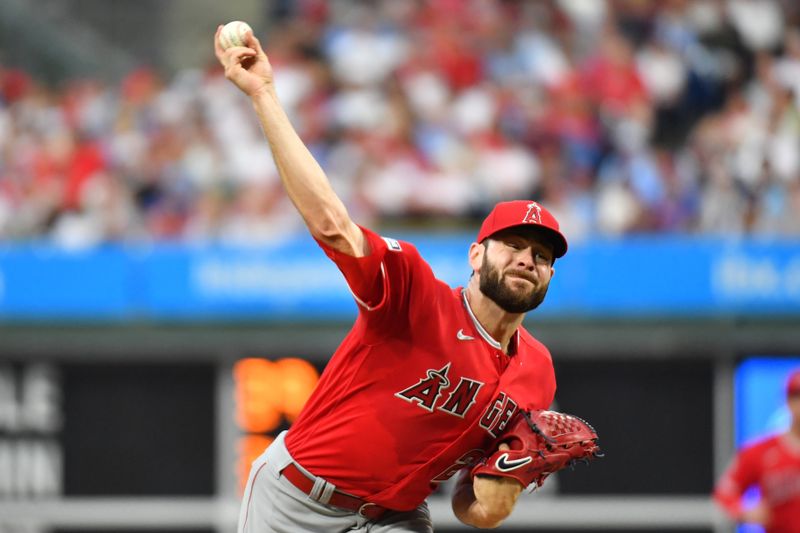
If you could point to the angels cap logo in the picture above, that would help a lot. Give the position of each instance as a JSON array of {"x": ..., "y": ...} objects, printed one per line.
[
  {"x": 503, "y": 463},
  {"x": 533, "y": 215}
]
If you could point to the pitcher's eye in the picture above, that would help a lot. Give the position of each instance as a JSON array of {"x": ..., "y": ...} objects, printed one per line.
[{"x": 541, "y": 259}]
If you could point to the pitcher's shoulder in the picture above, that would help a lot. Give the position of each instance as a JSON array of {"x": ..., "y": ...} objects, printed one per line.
[{"x": 531, "y": 343}]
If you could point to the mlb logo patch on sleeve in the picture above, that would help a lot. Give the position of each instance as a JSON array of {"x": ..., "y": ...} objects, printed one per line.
[{"x": 392, "y": 244}]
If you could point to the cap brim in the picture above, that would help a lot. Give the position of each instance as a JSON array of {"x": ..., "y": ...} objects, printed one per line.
[
  {"x": 556, "y": 238},
  {"x": 559, "y": 242}
]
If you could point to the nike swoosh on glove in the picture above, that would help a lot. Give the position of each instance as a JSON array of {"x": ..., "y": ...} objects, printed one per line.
[{"x": 541, "y": 443}]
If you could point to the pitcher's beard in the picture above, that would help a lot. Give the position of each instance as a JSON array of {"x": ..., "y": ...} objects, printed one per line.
[{"x": 494, "y": 287}]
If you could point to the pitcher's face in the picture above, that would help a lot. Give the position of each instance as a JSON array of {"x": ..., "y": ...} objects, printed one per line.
[{"x": 516, "y": 270}]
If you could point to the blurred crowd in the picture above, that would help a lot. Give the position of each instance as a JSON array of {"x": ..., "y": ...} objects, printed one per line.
[{"x": 622, "y": 117}]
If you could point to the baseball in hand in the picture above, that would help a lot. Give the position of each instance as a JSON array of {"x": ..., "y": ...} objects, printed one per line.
[{"x": 233, "y": 33}]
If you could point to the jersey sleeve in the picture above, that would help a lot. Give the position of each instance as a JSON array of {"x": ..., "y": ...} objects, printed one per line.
[
  {"x": 741, "y": 474},
  {"x": 365, "y": 276},
  {"x": 384, "y": 283}
]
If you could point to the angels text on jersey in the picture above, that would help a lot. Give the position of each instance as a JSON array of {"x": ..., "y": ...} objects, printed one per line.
[{"x": 435, "y": 391}]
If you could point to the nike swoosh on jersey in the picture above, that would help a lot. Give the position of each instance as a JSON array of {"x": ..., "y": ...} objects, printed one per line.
[
  {"x": 504, "y": 465},
  {"x": 463, "y": 336}
]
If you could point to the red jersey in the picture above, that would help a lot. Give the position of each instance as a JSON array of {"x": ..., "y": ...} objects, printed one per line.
[
  {"x": 774, "y": 466},
  {"x": 418, "y": 389}
]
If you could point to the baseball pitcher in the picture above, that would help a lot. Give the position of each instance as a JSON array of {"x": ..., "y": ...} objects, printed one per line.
[{"x": 428, "y": 381}]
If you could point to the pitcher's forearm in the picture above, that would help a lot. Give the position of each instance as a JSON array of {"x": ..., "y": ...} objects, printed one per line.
[
  {"x": 304, "y": 180},
  {"x": 484, "y": 502}
]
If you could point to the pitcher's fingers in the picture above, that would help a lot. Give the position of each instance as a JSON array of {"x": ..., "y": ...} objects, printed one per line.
[
  {"x": 238, "y": 54},
  {"x": 252, "y": 41},
  {"x": 233, "y": 57},
  {"x": 217, "y": 47}
]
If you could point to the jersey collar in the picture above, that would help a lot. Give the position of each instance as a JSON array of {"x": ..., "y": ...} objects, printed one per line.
[{"x": 483, "y": 333}]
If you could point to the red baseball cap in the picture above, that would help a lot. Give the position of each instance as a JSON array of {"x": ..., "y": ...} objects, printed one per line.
[
  {"x": 523, "y": 213},
  {"x": 793, "y": 383}
]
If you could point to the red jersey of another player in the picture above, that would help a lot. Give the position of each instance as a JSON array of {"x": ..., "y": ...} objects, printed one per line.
[
  {"x": 774, "y": 466},
  {"x": 417, "y": 390}
]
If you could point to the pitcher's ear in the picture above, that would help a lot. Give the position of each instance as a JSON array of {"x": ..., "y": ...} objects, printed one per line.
[{"x": 476, "y": 252}]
